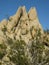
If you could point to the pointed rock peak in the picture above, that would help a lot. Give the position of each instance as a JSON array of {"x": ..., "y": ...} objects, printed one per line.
[
  {"x": 32, "y": 13},
  {"x": 24, "y": 11},
  {"x": 19, "y": 10},
  {"x": 24, "y": 14},
  {"x": 17, "y": 15},
  {"x": 15, "y": 19}
]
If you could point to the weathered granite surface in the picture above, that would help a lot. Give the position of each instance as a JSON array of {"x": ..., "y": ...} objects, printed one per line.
[{"x": 21, "y": 25}]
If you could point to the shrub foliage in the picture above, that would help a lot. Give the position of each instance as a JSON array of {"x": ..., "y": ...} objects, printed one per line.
[{"x": 17, "y": 52}]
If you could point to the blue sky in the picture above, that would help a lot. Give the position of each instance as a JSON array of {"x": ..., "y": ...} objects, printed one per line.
[{"x": 9, "y": 7}]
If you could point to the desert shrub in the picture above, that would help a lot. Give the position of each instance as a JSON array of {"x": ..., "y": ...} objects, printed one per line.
[
  {"x": 9, "y": 41},
  {"x": 37, "y": 49},
  {"x": 2, "y": 50},
  {"x": 40, "y": 56},
  {"x": 20, "y": 53},
  {"x": 17, "y": 53}
]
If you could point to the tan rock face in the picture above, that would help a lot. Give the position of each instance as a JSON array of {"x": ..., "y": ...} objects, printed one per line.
[
  {"x": 2, "y": 37},
  {"x": 21, "y": 25},
  {"x": 32, "y": 14},
  {"x": 3, "y": 23},
  {"x": 15, "y": 19}
]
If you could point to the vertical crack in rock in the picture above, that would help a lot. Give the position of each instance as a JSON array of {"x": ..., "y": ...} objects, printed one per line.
[{"x": 15, "y": 20}]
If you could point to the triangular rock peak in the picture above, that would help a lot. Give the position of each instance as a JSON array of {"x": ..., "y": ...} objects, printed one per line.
[{"x": 22, "y": 25}]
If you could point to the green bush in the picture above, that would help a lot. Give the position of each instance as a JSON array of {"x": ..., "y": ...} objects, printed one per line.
[
  {"x": 37, "y": 49},
  {"x": 17, "y": 53},
  {"x": 20, "y": 53},
  {"x": 2, "y": 50}
]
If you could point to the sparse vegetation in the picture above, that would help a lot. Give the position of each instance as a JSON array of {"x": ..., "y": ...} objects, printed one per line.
[
  {"x": 2, "y": 50},
  {"x": 18, "y": 54}
]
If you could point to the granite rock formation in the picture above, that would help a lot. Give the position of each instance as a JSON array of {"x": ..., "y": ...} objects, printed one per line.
[
  {"x": 22, "y": 25},
  {"x": 22, "y": 39}
]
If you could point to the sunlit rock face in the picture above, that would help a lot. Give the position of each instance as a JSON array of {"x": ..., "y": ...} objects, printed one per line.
[
  {"x": 3, "y": 23},
  {"x": 21, "y": 25}
]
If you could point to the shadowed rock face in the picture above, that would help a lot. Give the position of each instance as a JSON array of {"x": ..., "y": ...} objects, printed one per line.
[{"x": 22, "y": 25}]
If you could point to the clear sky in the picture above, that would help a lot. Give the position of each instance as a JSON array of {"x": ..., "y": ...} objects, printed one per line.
[{"x": 9, "y": 7}]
